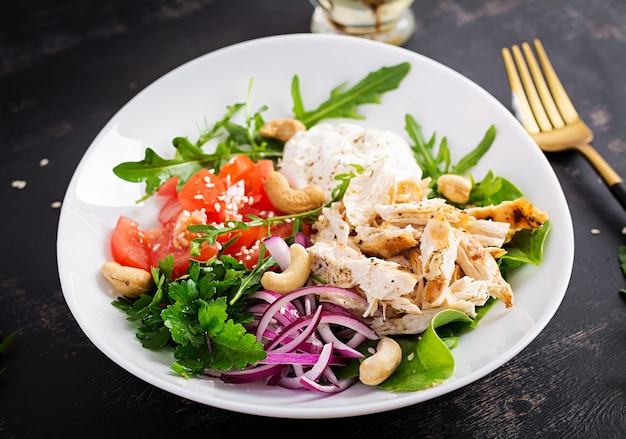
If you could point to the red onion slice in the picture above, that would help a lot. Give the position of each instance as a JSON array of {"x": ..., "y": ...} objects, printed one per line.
[
  {"x": 279, "y": 249},
  {"x": 322, "y": 363},
  {"x": 251, "y": 375},
  {"x": 308, "y": 324},
  {"x": 304, "y": 359}
]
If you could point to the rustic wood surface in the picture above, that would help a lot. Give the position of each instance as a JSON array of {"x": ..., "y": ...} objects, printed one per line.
[{"x": 67, "y": 66}]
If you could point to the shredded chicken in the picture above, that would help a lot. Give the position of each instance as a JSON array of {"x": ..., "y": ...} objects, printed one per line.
[{"x": 411, "y": 256}]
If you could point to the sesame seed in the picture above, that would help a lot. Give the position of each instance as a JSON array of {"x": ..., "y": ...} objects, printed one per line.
[
  {"x": 217, "y": 207},
  {"x": 595, "y": 231},
  {"x": 55, "y": 204},
  {"x": 198, "y": 197},
  {"x": 44, "y": 162}
]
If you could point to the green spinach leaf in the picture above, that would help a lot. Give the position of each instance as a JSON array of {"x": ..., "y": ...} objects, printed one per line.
[{"x": 428, "y": 361}]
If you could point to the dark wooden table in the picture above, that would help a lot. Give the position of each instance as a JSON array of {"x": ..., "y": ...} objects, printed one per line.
[{"x": 67, "y": 66}]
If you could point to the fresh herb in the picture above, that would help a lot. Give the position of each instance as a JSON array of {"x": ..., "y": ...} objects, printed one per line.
[
  {"x": 621, "y": 256},
  {"x": 233, "y": 138},
  {"x": 210, "y": 232},
  {"x": 433, "y": 165},
  {"x": 426, "y": 358},
  {"x": 493, "y": 190},
  {"x": 202, "y": 316},
  {"x": 428, "y": 361},
  {"x": 4, "y": 344},
  {"x": 199, "y": 314},
  {"x": 526, "y": 247},
  {"x": 343, "y": 102}
]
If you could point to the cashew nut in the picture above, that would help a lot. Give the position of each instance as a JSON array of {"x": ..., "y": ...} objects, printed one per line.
[
  {"x": 455, "y": 188},
  {"x": 129, "y": 281},
  {"x": 295, "y": 276},
  {"x": 289, "y": 200},
  {"x": 378, "y": 367},
  {"x": 281, "y": 129}
]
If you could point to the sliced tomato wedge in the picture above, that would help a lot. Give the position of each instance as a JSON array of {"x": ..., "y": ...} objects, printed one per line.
[
  {"x": 168, "y": 188},
  {"x": 235, "y": 192},
  {"x": 163, "y": 244},
  {"x": 170, "y": 211},
  {"x": 203, "y": 191},
  {"x": 236, "y": 169},
  {"x": 255, "y": 182},
  {"x": 128, "y": 244}
]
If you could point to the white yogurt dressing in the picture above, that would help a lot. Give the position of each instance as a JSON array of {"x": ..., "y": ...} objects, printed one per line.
[{"x": 317, "y": 155}]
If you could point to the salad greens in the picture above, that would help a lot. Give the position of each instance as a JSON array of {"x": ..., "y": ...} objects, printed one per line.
[
  {"x": 526, "y": 247},
  {"x": 343, "y": 102},
  {"x": 435, "y": 165},
  {"x": 202, "y": 315},
  {"x": 234, "y": 139},
  {"x": 621, "y": 257},
  {"x": 428, "y": 362},
  {"x": 183, "y": 313},
  {"x": 4, "y": 344}
]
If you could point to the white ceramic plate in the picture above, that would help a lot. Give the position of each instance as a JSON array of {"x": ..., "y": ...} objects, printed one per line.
[{"x": 440, "y": 99}]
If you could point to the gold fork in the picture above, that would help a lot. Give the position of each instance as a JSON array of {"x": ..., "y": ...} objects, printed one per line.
[{"x": 548, "y": 114}]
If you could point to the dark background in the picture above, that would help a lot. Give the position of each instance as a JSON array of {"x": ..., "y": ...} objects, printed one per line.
[{"x": 67, "y": 66}]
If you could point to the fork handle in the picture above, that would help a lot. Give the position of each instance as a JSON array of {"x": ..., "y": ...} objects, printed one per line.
[
  {"x": 612, "y": 178},
  {"x": 619, "y": 191}
]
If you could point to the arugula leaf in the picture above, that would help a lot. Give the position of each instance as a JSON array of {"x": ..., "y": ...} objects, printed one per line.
[
  {"x": 155, "y": 170},
  {"x": 232, "y": 139},
  {"x": 472, "y": 158},
  {"x": 343, "y": 101},
  {"x": 433, "y": 165}
]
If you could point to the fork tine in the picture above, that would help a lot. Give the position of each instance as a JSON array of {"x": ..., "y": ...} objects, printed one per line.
[
  {"x": 528, "y": 118},
  {"x": 542, "y": 88},
  {"x": 560, "y": 95},
  {"x": 531, "y": 92}
]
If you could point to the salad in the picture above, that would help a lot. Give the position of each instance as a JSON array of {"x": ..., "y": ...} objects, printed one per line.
[{"x": 257, "y": 272}]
